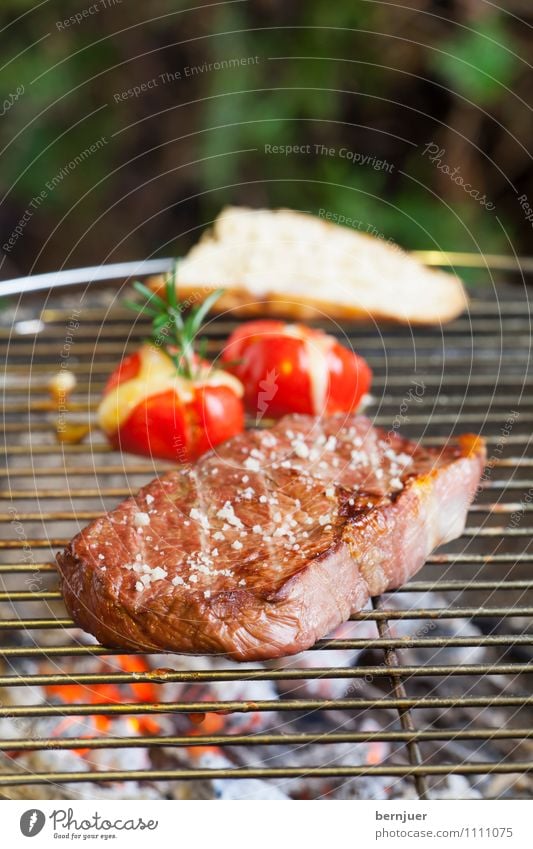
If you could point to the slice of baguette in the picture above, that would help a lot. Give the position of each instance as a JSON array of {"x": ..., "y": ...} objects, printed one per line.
[{"x": 294, "y": 265}]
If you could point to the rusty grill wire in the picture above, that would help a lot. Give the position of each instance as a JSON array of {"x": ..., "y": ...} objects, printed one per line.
[{"x": 476, "y": 377}]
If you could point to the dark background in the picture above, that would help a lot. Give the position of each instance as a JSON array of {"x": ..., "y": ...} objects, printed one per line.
[{"x": 375, "y": 78}]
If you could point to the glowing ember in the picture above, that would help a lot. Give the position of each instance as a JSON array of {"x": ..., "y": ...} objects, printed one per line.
[
  {"x": 377, "y": 752},
  {"x": 109, "y": 694}
]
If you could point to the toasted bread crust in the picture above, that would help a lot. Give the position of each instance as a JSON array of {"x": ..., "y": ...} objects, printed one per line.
[
  {"x": 292, "y": 265},
  {"x": 240, "y": 304}
]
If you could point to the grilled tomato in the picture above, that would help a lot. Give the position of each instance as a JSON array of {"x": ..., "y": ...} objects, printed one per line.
[
  {"x": 291, "y": 368},
  {"x": 149, "y": 409},
  {"x": 165, "y": 400}
]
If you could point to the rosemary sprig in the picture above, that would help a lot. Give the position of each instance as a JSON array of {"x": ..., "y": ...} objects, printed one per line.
[{"x": 172, "y": 333}]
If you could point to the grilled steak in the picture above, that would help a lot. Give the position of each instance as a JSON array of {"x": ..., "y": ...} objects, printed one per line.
[{"x": 266, "y": 544}]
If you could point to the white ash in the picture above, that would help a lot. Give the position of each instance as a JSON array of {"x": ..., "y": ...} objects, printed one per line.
[
  {"x": 238, "y": 788},
  {"x": 369, "y": 786},
  {"x": 320, "y": 688}
]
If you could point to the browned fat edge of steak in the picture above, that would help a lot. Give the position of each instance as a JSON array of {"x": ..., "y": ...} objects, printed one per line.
[{"x": 268, "y": 594}]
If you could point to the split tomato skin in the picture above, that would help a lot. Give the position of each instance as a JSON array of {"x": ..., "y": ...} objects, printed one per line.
[
  {"x": 180, "y": 422},
  {"x": 350, "y": 378},
  {"x": 291, "y": 368}
]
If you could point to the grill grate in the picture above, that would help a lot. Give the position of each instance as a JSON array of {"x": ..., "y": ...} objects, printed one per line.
[{"x": 475, "y": 375}]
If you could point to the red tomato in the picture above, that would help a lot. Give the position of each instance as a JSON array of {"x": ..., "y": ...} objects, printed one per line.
[
  {"x": 179, "y": 421},
  {"x": 290, "y": 368}
]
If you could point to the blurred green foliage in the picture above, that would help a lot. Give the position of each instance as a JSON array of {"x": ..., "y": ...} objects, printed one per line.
[
  {"x": 380, "y": 80},
  {"x": 479, "y": 63}
]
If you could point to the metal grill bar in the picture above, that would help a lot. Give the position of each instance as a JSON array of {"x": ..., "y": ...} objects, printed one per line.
[
  {"x": 123, "y": 492},
  {"x": 61, "y": 542},
  {"x": 103, "y": 448},
  {"x": 47, "y": 450},
  {"x": 118, "y": 323},
  {"x": 391, "y": 670},
  {"x": 152, "y": 468},
  {"x": 396, "y": 673},
  {"x": 80, "y": 471},
  {"x": 103, "y": 369},
  {"x": 304, "y": 705},
  {"x": 476, "y": 373},
  {"x": 480, "y": 303},
  {"x": 436, "y": 558},
  {"x": 87, "y": 515},
  {"x": 389, "y": 399},
  {"x": 41, "y": 348},
  {"x": 501, "y": 640},
  {"x": 414, "y": 587},
  {"x": 518, "y": 767},
  {"x": 379, "y": 420},
  {"x": 370, "y": 616},
  {"x": 264, "y": 739}
]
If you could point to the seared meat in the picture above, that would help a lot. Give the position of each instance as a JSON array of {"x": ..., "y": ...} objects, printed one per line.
[{"x": 269, "y": 542}]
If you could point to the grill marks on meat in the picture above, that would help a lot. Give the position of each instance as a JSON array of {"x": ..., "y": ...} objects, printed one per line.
[{"x": 266, "y": 545}]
